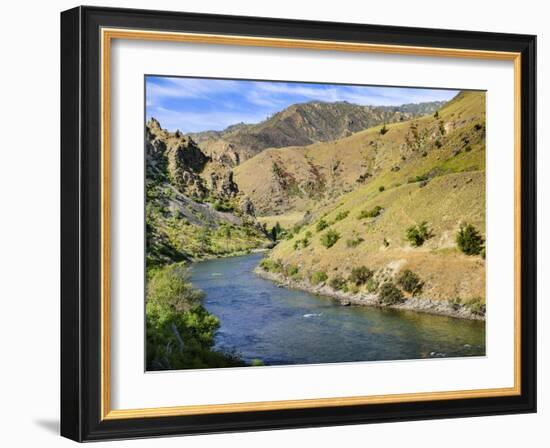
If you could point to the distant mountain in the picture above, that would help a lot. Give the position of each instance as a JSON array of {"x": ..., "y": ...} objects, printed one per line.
[{"x": 300, "y": 125}]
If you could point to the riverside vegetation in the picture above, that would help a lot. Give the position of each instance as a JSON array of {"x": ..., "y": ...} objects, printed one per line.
[{"x": 372, "y": 206}]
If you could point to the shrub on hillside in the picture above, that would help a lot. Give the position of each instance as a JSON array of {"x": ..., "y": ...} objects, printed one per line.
[
  {"x": 291, "y": 270},
  {"x": 384, "y": 130},
  {"x": 469, "y": 240},
  {"x": 389, "y": 294},
  {"x": 321, "y": 225},
  {"x": 329, "y": 238},
  {"x": 417, "y": 235},
  {"x": 338, "y": 283},
  {"x": 360, "y": 275},
  {"x": 318, "y": 277},
  {"x": 341, "y": 215},
  {"x": 372, "y": 285},
  {"x": 269, "y": 265},
  {"x": 381, "y": 188},
  {"x": 410, "y": 282},
  {"x": 372, "y": 213}
]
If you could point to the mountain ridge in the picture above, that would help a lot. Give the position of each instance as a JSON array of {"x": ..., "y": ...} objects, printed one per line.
[{"x": 302, "y": 124}]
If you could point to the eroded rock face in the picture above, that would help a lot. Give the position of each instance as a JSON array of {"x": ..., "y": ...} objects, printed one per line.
[{"x": 178, "y": 157}]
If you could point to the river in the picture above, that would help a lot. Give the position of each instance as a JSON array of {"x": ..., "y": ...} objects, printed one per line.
[{"x": 260, "y": 320}]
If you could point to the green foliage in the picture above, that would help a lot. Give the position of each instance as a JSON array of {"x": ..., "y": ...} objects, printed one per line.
[
  {"x": 269, "y": 265},
  {"x": 438, "y": 143},
  {"x": 436, "y": 115},
  {"x": 277, "y": 232},
  {"x": 386, "y": 242},
  {"x": 321, "y": 225},
  {"x": 360, "y": 275},
  {"x": 223, "y": 207},
  {"x": 372, "y": 285},
  {"x": 170, "y": 290},
  {"x": 257, "y": 362},
  {"x": 180, "y": 331},
  {"x": 410, "y": 282},
  {"x": 417, "y": 235},
  {"x": 389, "y": 294},
  {"x": 339, "y": 283},
  {"x": 420, "y": 178},
  {"x": 476, "y": 306},
  {"x": 318, "y": 277},
  {"x": 381, "y": 188},
  {"x": 329, "y": 238},
  {"x": 384, "y": 130},
  {"x": 341, "y": 215},
  {"x": 372, "y": 213},
  {"x": 469, "y": 240},
  {"x": 291, "y": 270}
]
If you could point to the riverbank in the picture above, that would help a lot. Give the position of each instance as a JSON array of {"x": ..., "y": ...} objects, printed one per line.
[{"x": 418, "y": 304}]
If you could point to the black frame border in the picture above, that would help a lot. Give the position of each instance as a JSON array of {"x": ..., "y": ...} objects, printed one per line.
[{"x": 81, "y": 223}]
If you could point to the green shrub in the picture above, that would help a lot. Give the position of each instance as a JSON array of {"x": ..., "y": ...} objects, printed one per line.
[
  {"x": 341, "y": 215},
  {"x": 179, "y": 330},
  {"x": 269, "y": 265},
  {"x": 329, "y": 238},
  {"x": 438, "y": 144},
  {"x": 417, "y": 235},
  {"x": 318, "y": 277},
  {"x": 410, "y": 282},
  {"x": 354, "y": 242},
  {"x": 291, "y": 270},
  {"x": 381, "y": 188},
  {"x": 338, "y": 283},
  {"x": 415, "y": 179},
  {"x": 372, "y": 213},
  {"x": 384, "y": 130},
  {"x": 256, "y": 362},
  {"x": 386, "y": 242},
  {"x": 360, "y": 275},
  {"x": 436, "y": 115},
  {"x": 223, "y": 207},
  {"x": 321, "y": 225},
  {"x": 389, "y": 294},
  {"x": 277, "y": 232},
  {"x": 469, "y": 240},
  {"x": 476, "y": 306},
  {"x": 372, "y": 285}
]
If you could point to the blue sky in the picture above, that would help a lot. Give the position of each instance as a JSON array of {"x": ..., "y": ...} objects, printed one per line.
[{"x": 199, "y": 104}]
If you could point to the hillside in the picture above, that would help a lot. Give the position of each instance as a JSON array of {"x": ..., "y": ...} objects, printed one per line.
[
  {"x": 194, "y": 209},
  {"x": 361, "y": 194},
  {"x": 300, "y": 125}
]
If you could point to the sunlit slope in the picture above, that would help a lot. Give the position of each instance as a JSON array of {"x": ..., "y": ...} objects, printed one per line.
[
  {"x": 298, "y": 179},
  {"x": 431, "y": 169}
]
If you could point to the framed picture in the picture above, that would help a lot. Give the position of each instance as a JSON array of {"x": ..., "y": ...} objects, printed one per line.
[{"x": 275, "y": 224}]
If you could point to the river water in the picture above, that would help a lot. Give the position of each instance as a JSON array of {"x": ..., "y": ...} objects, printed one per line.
[{"x": 284, "y": 326}]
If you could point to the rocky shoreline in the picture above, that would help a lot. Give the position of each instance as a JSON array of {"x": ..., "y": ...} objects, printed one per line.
[{"x": 418, "y": 304}]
